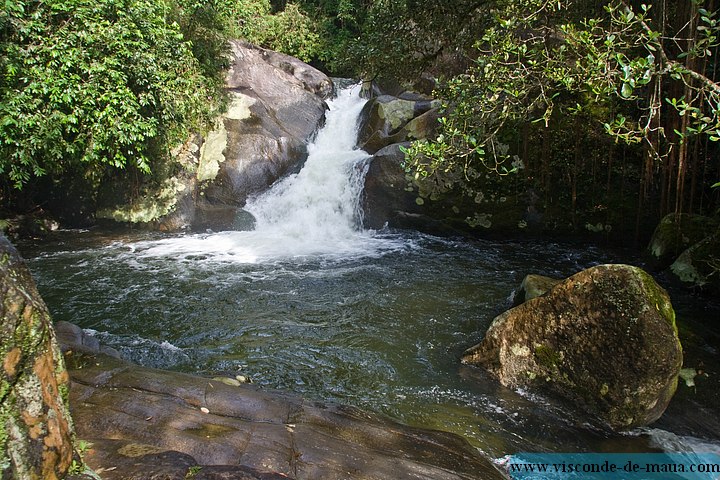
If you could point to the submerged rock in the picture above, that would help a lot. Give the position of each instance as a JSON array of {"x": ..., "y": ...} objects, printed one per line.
[
  {"x": 534, "y": 286},
  {"x": 604, "y": 339}
]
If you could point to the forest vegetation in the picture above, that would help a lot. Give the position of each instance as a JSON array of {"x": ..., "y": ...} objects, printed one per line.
[{"x": 607, "y": 110}]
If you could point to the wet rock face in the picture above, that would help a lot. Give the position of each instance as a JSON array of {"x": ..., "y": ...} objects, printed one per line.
[
  {"x": 35, "y": 426},
  {"x": 146, "y": 423},
  {"x": 604, "y": 340},
  {"x": 276, "y": 106}
]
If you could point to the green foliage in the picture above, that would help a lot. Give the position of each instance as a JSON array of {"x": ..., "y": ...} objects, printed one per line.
[
  {"x": 289, "y": 31},
  {"x": 543, "y": 67},
  {"x": 206, "y": 25},
  {"x": 514, "y": 79},
  {"x": 403, "y": 38},
  {"x": 91, "y": 84}
]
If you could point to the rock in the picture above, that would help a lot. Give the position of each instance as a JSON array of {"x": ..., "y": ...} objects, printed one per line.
[
  {"x": 675, "y": 233},
  {"x": 71, "y": 337},
  {"x": 36, "y": 431},
  {"x": 699, "y": 265},
  {"x": 37, "y": 224},
  {"x": 388, "y": 202},
  {"x": 136, "y": 461},
  {"x": 172, "y": 423},
  {"x": 385, "y": 197},
  {"x": 277, "y": 104},
  {"x": 534, "y": 286},
  {"x": 604, "y": 339},
  {"x": 386, "y": 120},
  {"x": 311, "y": 79}
]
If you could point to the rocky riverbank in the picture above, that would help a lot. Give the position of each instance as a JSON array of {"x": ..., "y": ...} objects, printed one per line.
[{"x": 147, "y": 423}]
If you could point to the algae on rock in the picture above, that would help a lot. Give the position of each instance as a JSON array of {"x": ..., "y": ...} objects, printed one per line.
[
  {"x": 604, "y": 340},
  {"x": 36, "y": 431}
]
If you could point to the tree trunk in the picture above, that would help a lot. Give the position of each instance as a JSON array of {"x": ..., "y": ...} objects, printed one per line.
[{"x": 36, "y": 431}]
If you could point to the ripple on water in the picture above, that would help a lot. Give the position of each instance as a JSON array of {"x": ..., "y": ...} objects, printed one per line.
[{"x": 382, "y": 331}]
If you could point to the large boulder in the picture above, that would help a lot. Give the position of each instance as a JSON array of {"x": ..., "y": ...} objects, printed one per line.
[
  {"x": 276, "y": 104},
  {"x": 677, "y": 232},
  {"x": 604, "y": 339},
  {"x": 36, "y": 431}
]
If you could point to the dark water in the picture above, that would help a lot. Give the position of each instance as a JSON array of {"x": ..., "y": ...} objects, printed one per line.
[{"x": 381, "y": 329}]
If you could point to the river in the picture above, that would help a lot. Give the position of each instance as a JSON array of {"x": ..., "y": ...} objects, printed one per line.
[{"x": 310, "y": 302}]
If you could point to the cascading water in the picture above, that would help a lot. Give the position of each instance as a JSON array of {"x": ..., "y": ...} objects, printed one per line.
[
  {"x": 318, "y": 208},
  {"x": 315, "y": 212}
]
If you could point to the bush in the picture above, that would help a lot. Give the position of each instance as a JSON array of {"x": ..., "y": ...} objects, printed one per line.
[{"x": 95, "y": 83}]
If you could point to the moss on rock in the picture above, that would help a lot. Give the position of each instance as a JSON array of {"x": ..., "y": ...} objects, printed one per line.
[
  {"x": 604, "y": 339},
  {"x": 36, "y": 432}
]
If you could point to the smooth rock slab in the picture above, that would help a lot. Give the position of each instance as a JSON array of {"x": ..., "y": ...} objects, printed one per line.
[{"x": 139, "y": 417}]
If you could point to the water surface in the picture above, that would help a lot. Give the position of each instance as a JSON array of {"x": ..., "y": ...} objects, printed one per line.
[{"x": 311, "y": 303}]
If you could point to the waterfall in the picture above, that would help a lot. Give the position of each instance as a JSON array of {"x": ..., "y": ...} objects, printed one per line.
[
  {"x": 320, "y": 204},
  {"x": 315, "y": 212}
]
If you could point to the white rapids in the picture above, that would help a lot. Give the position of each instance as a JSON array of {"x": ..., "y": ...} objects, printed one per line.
[{"x": 313, "y": 213}]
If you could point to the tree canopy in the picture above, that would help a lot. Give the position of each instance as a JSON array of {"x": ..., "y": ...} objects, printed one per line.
[
  {"x": 89, "y": 88},
  {"x": 642, "y": 75}
]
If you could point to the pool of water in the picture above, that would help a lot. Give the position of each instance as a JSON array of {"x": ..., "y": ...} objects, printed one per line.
[{"x": 381, "y": 329}]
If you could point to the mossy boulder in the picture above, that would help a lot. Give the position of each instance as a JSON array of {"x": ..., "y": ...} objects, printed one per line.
[
  {"x": 386, "y": 120},
  {"x": 677, "y": 232},
  {"x": 699, "y": 265},
  {"x": 603, "y": 340},
  {"x": 36, "y": 432}
]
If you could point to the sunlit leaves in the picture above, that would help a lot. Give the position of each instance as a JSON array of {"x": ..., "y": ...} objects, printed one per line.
[
  {"x": 95, "y": 83},
  {"x": 535, "y": 57}
]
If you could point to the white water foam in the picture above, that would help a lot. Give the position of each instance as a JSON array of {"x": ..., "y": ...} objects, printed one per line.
[
  {"x": 670, "y": 442},
  {"x": 315, "y": 212}
]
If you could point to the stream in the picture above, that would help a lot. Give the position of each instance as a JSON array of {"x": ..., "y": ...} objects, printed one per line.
[{"x": 311, "y": 303}]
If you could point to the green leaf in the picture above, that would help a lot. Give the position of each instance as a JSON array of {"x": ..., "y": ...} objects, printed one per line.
[{"x": 626, "y": 90}]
